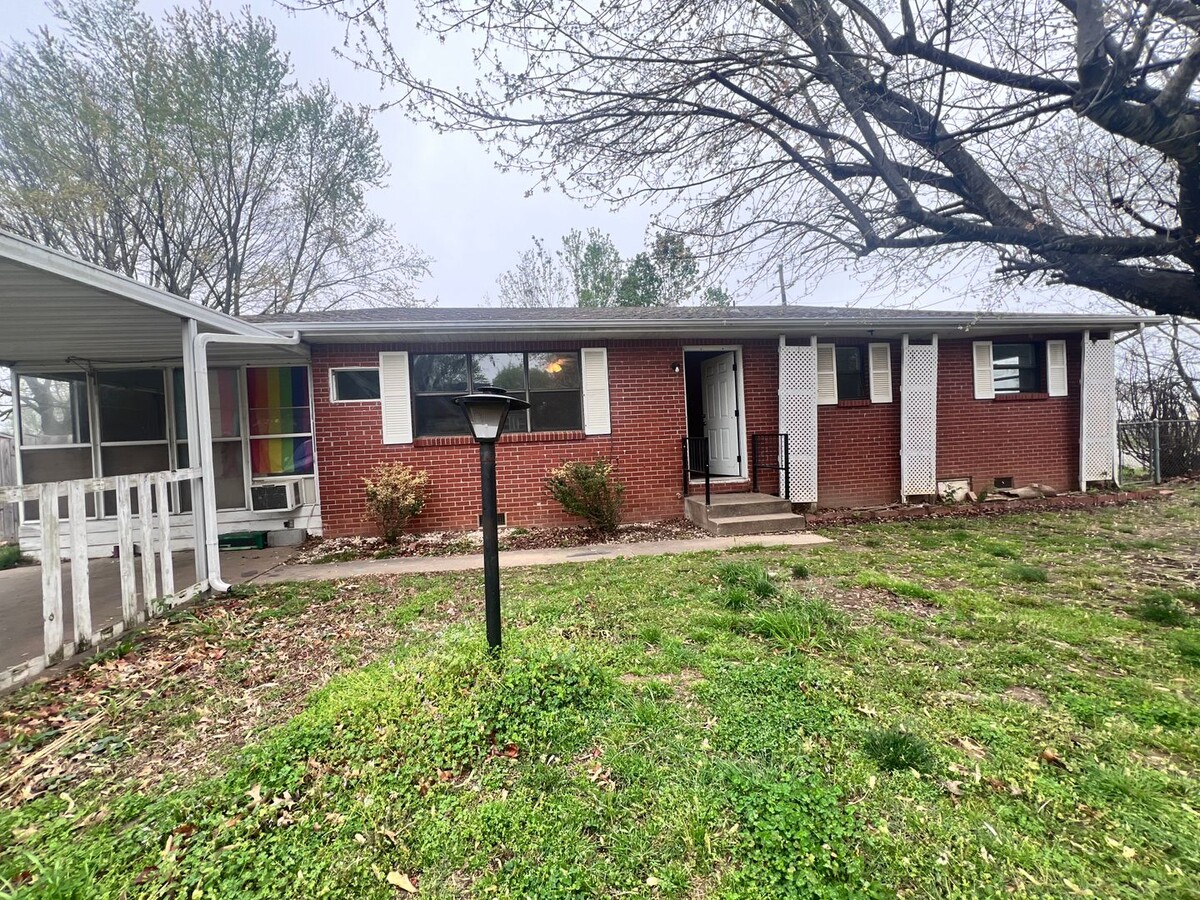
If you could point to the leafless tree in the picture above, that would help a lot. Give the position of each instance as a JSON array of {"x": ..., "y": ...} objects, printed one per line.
[
  {"x": 183, "y": 152},
  {"x": 1057, "y": 136}
]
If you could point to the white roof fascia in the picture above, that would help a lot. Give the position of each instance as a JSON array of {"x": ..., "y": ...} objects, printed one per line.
[{"x": 638, "y": 328}]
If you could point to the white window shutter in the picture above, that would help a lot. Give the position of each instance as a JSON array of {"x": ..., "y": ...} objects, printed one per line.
[
  {"x": 1056, "y": 368},
  {"x": 597, "y": 418},
  {"x": 396, "y": 396},
  {"x": 881, "y": 372},
  {"x": 826, "y": 375},
  {"x": 985, "y": 379}
]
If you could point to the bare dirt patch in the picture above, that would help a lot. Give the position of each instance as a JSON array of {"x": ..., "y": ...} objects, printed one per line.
[
  {"x": 681, "y": 682},
  {"x": 1023, "y": 694},
  {"x": 860, "y": 604}
]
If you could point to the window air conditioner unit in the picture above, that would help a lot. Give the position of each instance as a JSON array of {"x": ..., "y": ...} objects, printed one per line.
[{"x": 274, "y": 496}]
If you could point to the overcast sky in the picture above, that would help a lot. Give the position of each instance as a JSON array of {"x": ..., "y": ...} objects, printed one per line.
[{"x": 446, "y": 197}]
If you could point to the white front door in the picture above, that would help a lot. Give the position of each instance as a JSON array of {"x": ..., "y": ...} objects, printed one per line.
[{"x": 719, "y": 379}]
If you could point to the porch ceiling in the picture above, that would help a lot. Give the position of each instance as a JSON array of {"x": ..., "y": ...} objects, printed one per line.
[{"x": 56, "y": 310}]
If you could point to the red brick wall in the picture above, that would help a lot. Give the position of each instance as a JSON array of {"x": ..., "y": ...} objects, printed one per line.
[
  {"x": 648, "y": 420},
  {"x": 858, "y": 448},
  {"x": 1034, "y": 439},
  {"x": 1030, "y": 437}
]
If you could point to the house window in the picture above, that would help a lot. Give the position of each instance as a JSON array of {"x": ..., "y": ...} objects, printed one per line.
[
  {"x": 1017, "y": 368},
  {"x": 281, "y": 440},
  {"x": 55, "y": 434},
  {"x": 133, "y": 425},
  {"x": 549, "y": 380},
  {"x": 54, "y": 411},
  {"x": 851, "y": 374},
  {"x": 353, "y": 385}
]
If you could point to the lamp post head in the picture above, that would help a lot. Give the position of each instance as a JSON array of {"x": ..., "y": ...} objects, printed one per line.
[{"x": 487, "y": 411}]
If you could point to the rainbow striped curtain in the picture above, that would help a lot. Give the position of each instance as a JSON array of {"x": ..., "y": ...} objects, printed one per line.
[
  {"x": 280, "y": 421},
  {"x": 281, "y": 456}
]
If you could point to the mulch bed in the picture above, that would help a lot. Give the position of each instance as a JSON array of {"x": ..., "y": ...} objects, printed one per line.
[
  {"x": 449, "y": 543},
  {"x": 830, "y": 517}
]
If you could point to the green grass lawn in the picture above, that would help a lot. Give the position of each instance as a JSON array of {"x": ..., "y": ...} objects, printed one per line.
[{"x": 945, "y": 708}]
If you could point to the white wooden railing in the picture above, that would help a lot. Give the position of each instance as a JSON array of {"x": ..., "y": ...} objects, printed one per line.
[
  {"x": 8, "y": 475},
  {"x": 152, "y": 529}
]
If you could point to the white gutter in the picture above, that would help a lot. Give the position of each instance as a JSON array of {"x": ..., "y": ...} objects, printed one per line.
[
  {"x": 764, "y": 326},
  {"x": 203, "y": 433}
]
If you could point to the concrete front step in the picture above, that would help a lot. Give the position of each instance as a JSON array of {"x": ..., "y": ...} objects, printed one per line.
[
  {"x": 736, "y": 514},
  {"x": 771, "y": 523}
]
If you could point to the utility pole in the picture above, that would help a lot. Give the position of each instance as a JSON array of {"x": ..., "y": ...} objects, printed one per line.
[{"x": 782, "y": 289}]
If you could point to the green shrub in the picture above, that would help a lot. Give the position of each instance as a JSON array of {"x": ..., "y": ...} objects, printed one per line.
[
  {"x": 800, "y": 570},
  {"x": 10, "y": 556},
  {"x": 1161, "y": 608},
  {"x": 589, "y": 490},
  {"x": 895, "y": 750},
  {"x": 395, "y": 494}
]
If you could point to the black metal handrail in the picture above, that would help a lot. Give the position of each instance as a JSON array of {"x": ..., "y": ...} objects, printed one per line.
[
  {"x": 696, "y": 462},
  {"x": 779, "y": 461}
]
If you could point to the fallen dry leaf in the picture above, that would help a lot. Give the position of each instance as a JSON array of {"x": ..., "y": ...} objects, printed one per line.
[
  {"x": 1050, "y": 756},
  {"x": 402, "y": 881}
]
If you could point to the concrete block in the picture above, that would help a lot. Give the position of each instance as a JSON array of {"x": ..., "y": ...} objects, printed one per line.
[{"x": 287, "y": 537}]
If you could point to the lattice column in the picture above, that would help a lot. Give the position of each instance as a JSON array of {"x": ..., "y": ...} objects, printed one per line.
[
  {"x": 1098, "y": 412},
  {"x": 918, "y": 419},
  {"x": 798, "y": 418}
]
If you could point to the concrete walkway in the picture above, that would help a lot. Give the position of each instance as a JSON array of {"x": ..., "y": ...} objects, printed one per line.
[{"x": 512, "y": 559}]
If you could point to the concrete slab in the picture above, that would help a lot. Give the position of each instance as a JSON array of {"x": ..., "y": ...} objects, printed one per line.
[
  {"x": 512, "y": 559},
  {"x": 21, "y": 595}
]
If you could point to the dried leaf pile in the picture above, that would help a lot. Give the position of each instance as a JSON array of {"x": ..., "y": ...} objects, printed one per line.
[{"x": 192, "y": 689}]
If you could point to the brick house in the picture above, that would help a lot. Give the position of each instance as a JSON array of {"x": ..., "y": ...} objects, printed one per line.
[{"x": 877, "y": 405}]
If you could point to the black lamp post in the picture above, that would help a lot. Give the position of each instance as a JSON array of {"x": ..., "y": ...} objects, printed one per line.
[{"x": 487, "y": 412}]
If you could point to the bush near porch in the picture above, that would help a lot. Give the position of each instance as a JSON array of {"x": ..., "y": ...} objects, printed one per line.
[{"x": 909, "y": 711}]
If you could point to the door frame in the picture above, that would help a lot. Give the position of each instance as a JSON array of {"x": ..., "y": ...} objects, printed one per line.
[{"x": 740, "y": 386}]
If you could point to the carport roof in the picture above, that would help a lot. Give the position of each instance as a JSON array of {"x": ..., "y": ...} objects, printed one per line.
[{"x": 55, "y": 308}]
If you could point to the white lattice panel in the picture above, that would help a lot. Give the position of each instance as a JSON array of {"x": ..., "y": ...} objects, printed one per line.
[
  {"x": 1098, "y": 412},
  {"x": 918, "y": 420},
  {"x": 798, "y": 418}
]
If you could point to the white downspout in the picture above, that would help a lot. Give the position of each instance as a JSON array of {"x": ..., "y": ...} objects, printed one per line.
[{"x": 204, "y": 439}]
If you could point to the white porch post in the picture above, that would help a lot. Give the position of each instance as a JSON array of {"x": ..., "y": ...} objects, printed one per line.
[{"x": 192, "y": 413}]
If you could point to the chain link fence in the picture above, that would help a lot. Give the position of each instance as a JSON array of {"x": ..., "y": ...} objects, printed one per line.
[{"x": 1152, "y": 450}]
